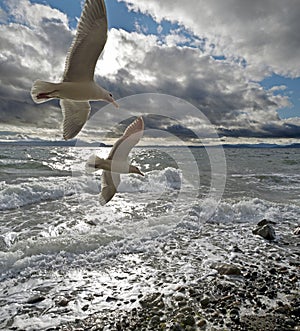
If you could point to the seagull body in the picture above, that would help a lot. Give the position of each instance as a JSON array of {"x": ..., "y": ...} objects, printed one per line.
[
  {"x": 116, "y": 162},
  {"x": 117, "y": 167},
  {"x": 78, "y": 86}
]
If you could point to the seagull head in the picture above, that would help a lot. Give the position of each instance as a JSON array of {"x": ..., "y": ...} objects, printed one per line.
[
  {"x": 109, "y": 98},
  {"x": 135, "y": 170}
]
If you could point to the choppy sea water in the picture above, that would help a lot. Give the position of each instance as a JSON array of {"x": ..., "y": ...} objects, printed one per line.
[{"x": 56, "y": 240}]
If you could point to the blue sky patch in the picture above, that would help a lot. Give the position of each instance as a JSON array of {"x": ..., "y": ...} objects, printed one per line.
[{"x": 292, "y": 91}]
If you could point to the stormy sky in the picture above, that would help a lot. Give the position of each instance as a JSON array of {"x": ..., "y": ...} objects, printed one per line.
[{"x": 236, "y": 61}]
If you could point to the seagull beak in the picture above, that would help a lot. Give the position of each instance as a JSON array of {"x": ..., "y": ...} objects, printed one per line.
[
  {"x": 115, "y": 104},
  {"x": 141, "y": 174}
]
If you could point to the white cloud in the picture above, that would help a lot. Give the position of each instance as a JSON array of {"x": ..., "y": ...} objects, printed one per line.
[
  {"x": 278, "y": 88},
  {"x": 35, "y": 14},
  {"x": 263, "y": 32},
  {"x": 126, "y": 50},
  {"x": 175, "y": 38}
]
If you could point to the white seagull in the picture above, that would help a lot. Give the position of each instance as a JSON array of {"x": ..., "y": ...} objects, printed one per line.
[
  {"x": 116, "y": 162},
  {"x": 78, "y": 87}
]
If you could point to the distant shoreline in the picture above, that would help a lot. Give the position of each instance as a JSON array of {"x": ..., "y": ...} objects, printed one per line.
[{"x": 75, "y": 143}]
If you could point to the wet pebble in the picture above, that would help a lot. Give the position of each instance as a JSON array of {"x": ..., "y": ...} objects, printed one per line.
[
  {"x": 189, "y": 320},
  {"x": 266, "y": 231},
  {"x": 202, "y": 323},
  {"x": 227, "y": 269},
  {"x": 35, "y": 299},
  {"x": 62, "y": 301},
  {"x": 204, "y": 301},
  {"x": 111, "y": 299}
]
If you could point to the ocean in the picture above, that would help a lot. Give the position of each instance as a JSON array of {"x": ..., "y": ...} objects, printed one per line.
[{"x": 63, "y": 256}]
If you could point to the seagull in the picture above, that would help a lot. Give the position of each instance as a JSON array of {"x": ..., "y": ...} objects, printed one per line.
[
  {"x": 78, "y": 86},
  {"x": 116, "y": 162}
]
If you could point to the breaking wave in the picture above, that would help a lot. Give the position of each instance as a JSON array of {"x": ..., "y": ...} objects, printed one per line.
[{"x": 37, "y": 190}]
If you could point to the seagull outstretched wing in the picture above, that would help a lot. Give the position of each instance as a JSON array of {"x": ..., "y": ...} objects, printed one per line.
[
  {"x": 130, "y": 138},
  {"x": 88, "y": 43},
  {"x": 109, "y": 184},
  {"x": 75, "y": 115}
]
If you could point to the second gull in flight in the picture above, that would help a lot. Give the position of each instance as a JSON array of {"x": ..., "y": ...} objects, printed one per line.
[{"x": 116, "y": 162}]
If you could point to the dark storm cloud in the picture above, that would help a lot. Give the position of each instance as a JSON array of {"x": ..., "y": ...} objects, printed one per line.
[
  {"x": 29, "y": 53},
  {"x": 154, "y": 123},
  {"x": 271, "y": 130},
  {"x": 220, "y": 90}
]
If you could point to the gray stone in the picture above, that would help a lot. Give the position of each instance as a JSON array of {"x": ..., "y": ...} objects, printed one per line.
[
  {"x": 91, "y": 222},
  {"x": 204, "y": 302},
  {"x": 265, "y": 222},
  {"x": 62, "y": 302},
  {"x": 3, "y": 245},
  {"x": 202, "y": 323},
  {"x": 189, "y": 320},
  {"x": 227, "y": 269},
  {"x": 176, "y": 327},
  {"x": 179, "y": 298},
  {"x": 285, "y": 309},
  {"x": 35, "y": 299},
  {"x": 111, "y": 299},
  {"x": 265, "y": 231},
  {"x": 152, "y": 300},
  {"x": 85, "y": 307},
  {"x": 155, "y": 320}
]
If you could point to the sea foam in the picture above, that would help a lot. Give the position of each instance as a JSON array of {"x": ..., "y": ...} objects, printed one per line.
[{"x": 36, "y": 190}]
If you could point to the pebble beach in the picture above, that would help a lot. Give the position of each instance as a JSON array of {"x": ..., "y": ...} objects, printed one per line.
[{"x": 252, "y": 285}]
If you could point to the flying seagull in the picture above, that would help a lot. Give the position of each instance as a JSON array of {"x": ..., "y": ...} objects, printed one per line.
[
  {"x": 117, "y": 163},
  {"x": 78, "y": 87}
]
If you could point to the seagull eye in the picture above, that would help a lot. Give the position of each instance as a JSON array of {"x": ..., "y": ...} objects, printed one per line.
[{"x": 110, "y": 95}]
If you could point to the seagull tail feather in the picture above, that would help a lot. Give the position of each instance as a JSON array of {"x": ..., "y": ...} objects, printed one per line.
[
  {"x": 93, "y": 164},
  {"x": 42, "y": 91}
]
